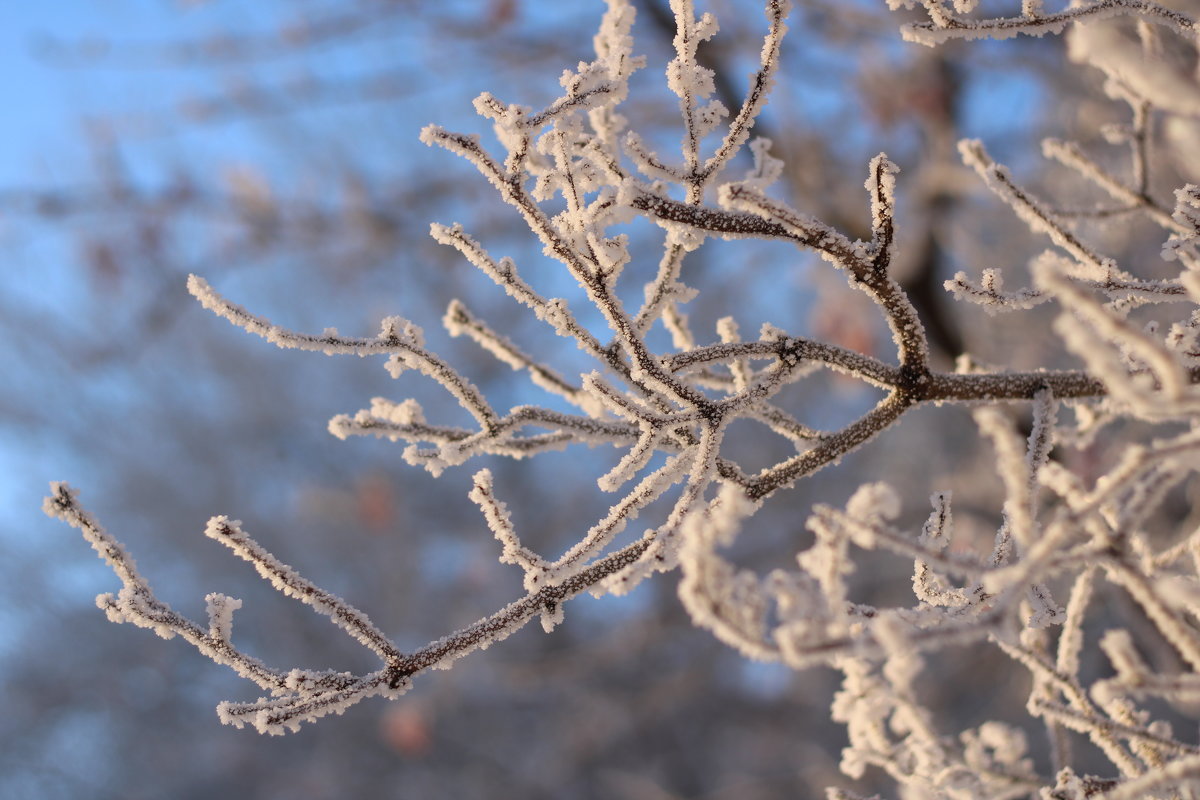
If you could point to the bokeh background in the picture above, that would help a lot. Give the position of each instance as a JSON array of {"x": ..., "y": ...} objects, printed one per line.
[{"x": 271, "y": 147}]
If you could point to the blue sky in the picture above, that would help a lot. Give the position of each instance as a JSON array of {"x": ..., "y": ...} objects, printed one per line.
[{"x": 49, "y": 99}]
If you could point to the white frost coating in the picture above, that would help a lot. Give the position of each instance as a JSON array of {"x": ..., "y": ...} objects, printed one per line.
[
  {"x": 1019, "y": 468},
  {"x": 1131, "y": 195},
  {"x": 634, "y": 460},
  {"x": 1070, "y": 641},
  {"x": 551, "y": 619},
  {"x": 759, "y": 90},
  {"x": 395, "y": 331},
  {"x": 1168, "y": 84},
  {"x": 1165, "y": 364},
  {"x": 691, "y": 82},
  {"x": 1033, "y": 21},
  {"x": 767, "y": 169},
  {"x": 874, "y": 501},
  {"x": 1028, "y": 208},
  {"x": 621, "y": 513},
  {"x": 137, "y": 604},
  {"x": 1181, "y": 592},
  {"x": 399, "y": 338},
  {"x": 739, "y": 368},
  {"x": 1044, "y": 611},
  {"x": 989, "y": 292},
  {"x": 1041, "y": 439},
  {"x": 220, "y": 610},
  {"x": 1182, "y": 771},
  {"x": 286, "y": 580},
  {"x": 498, "y": 520},
  {"x": 663, "y": 551},
  {"x": 1187, "y": 208},
  {"x": 1182, "y": 246},
  {"x": 930, "y": 586},
  {"x": 459, "y": 321},
  {"x": 881, "y": 186},
  {"x": 574, "y": 174},
  {"x": 731, "y": 603}
]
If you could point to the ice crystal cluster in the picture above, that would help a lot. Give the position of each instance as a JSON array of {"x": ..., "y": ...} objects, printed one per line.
[{"x": 572, "y": 172}]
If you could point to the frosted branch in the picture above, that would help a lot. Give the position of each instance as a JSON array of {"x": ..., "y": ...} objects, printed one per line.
[
  {"x": 944, "y": 26},
  {"x": 1080, "y": 502}
]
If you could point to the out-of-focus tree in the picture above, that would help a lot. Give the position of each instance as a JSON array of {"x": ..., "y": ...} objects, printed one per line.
[{"x": 320, "y": 218}]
